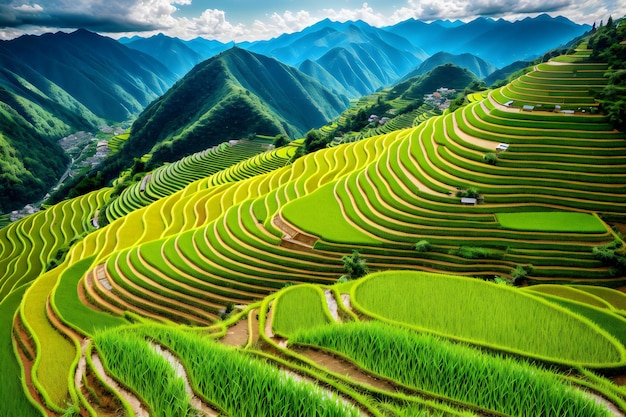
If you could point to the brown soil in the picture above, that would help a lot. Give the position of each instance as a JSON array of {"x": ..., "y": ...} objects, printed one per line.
[
  {"x": 27, "y": 364},
  {"x": 343, "y": 367},
  {"x": 138, "y": 408},
  {"x": 99, "y": 398},
  {"x": 236, "y": 335}
]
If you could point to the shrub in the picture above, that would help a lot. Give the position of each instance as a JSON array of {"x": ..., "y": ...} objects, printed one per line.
[
  {"x": 355, "y": 266},
  {"x": 473, "y": 252},
  {"x": 280, "y": 140},
  {"x": 519, "y": 273},
  {"x": 422, "y": 246},
  {"x": 469, "y": 192},
  {"x": 491, "y": 158}
]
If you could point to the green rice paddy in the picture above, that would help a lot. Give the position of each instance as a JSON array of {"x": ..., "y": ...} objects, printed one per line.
[
  {"x": 552, "y": 222},
  {"x": 235, "y": 229}
]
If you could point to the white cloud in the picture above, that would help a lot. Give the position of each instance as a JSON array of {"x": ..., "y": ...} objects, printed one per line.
[
  {"x": 147, "y": 17},
  {"x": 365, "y": 13},
  {"x": 585, "y": 11},
  {"x": 277, "y": 24},
  {"x": 27, "y": 8}
]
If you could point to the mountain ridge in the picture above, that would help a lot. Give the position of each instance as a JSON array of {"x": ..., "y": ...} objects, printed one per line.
[{"x": 269, "y": 97}]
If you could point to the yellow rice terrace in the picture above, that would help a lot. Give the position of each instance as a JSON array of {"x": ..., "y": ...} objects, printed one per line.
[{"x": 466, "y": 263}]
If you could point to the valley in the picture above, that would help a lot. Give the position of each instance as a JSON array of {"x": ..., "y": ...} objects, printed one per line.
[{"x": 258, "y": 243}]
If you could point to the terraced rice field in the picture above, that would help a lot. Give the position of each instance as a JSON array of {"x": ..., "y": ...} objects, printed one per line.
[{"x": 219, "y": 234}]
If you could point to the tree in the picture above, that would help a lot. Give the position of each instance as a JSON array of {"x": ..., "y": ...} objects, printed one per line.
[
  {"x": 280, "y": 140},
  {"x": 355, "y": 266},
  {"x": 314, "y": 140},
  {"x": 491, "y": 158},
  {"x": 519, "y": 273},
  {"x": 422, "y": 246}
]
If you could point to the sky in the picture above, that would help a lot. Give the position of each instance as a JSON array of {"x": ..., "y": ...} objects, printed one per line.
[{"x": 241, "y": 20}]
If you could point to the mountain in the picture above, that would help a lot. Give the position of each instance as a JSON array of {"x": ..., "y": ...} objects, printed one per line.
[
  {"x": 230, "y": 96},
  {"x": 361, "y": 57},
  {"x": 316, "y": 40},
  {"x": 208, "y": 48},
  {"x": 497, "y": 41},
  {"x": 178, "y": 55},
  {"x": 478, "y": 66},
  {"x": 447, "y": 75},
  {"x": 112, "y": 81},
  {"x": 55, "y": 84},
  {"x": 172, "y": 52},
  {"x": 504, "y": 73},
  {"x": 363, "y": 68},
  {"x": 315, "y": 70}
]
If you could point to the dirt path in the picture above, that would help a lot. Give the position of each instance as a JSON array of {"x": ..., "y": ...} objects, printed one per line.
[
  {"x": 606, "y": 403},
  {"x": 134, "y": 402},
  {"x": 196, "y": 402},
  {"x": 343, "y": 367},
  {"x": 483, "y": 143},
  {"x": 236, "y": 335},
  {"x": 332, "y": 304}
]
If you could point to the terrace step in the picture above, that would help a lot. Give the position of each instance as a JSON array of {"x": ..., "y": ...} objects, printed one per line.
[
  {"x": 26, "y": 358},
  {"x": 294, "y": 235}
]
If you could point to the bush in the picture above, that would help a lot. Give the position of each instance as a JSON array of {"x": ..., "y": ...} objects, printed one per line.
[
  {"x": 491, "y": 158},
  {"x": 519, "y": 273},
  {"x": 422, "y": 246},
  {"x": 469, "y": 192},
  {"x": 473, "y": 252},
  {"x": 280, "y": 140},
  {"x": 355, "y": 266}
]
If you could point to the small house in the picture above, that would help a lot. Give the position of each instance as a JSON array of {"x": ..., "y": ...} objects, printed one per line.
[
  {"x": 528, "y": 107},
  {"x": 502, "y": 147},
  {"x": 468, "y": 201}
]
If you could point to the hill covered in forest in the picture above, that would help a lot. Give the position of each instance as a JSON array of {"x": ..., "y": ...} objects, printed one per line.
[{"x": 243, "y": 261}]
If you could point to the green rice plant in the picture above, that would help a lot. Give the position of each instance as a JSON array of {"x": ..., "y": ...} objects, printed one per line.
[
  {"x": 56, "y": 355},
  {"x": 456, "y": 371},
  {"x": 132, "y": 361},
  {"x": 506, "y": 318},
  {"x": 570, "y": 293},
  {"x": 553, "y": 221},
  {"x": 474, "y": 252},
  {"x": 241, "y": 385},
  {"x": 614, "y": 297},
  {"x": 612, "y": 323},
  {"x": 70, "y": 308},
  {"x": 329, "y": 224},
  {"x": 299, "y": 307},
  {"x": 13, "y": 400}
]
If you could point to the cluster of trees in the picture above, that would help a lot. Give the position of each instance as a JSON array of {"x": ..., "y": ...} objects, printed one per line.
[
  {"x": 470, "y": 192},
  {"x": 606, "y": 44},
  {"x": 354, "y": 266},
  {"x": 612, "y": 254}
]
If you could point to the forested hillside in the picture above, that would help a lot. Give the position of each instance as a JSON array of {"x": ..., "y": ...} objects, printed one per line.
[
  {"x": 235, "y": 95},
  {"x": 54, "y": 85},
  {"x": 484, "y": 208}
]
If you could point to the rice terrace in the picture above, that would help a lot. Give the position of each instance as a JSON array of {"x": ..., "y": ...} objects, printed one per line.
[{"x": 458, "y": 262}]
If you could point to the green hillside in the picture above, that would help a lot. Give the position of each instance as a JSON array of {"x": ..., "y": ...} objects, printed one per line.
[
  {"x": 473, "y": 63},
  {"x": 230, "y": 262},
  {"x": 54, "y": 85},
  {"x": 233, "y": 95}
]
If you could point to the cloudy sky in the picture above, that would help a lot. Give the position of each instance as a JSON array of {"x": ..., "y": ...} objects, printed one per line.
[{"x": 239, "y": 20}]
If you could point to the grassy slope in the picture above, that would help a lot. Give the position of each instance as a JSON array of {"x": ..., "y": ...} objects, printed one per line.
[{"x": 235, "y": 244}]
